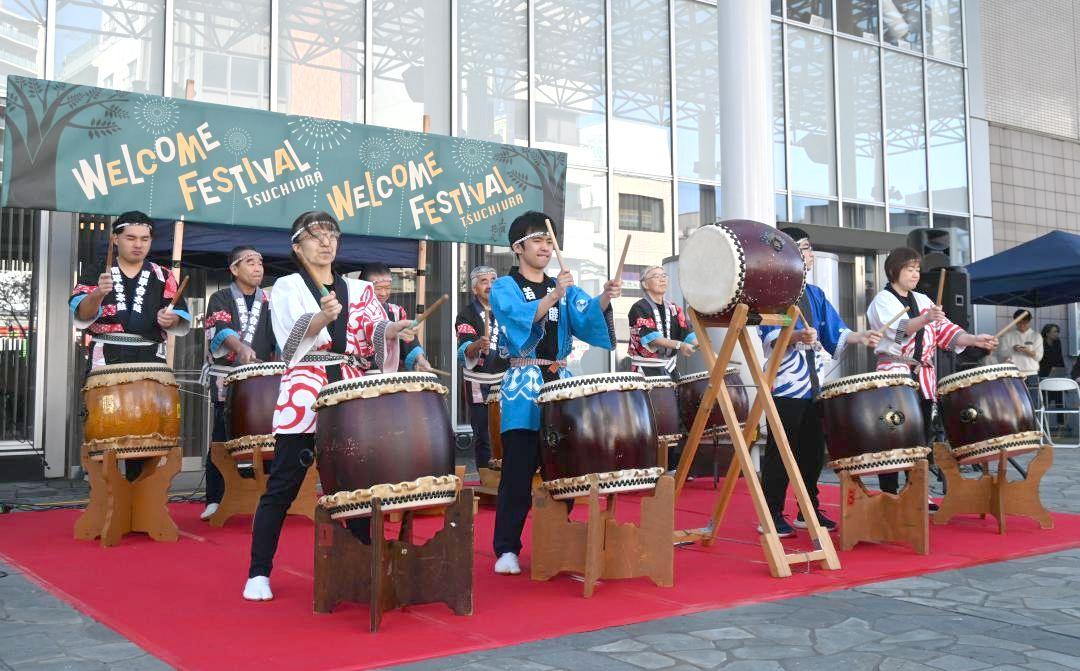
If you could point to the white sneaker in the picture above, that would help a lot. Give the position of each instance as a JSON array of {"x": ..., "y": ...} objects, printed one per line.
[
  {"x": 209, "y": 511},
  {"x": 508, "y": 564},
  {"x": 258, "y": 589}
]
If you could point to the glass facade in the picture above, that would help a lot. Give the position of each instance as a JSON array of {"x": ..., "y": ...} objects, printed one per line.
[{"x": 870, "y": 123}]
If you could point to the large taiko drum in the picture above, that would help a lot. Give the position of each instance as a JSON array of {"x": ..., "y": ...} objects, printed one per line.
[
  {"x": 665, "y": 408},
  {"x": 250, "y": 397},
  {"x": 133, "y": 409},
  {"x": 740, "y": 261},
  {"x": 692, "y": 389},
  {"x": 873, "y": 423},
  {"x": 494, "y": 415},
  {"x": 387, "y": 437},
  {"x": 597, "y": 425},
  {"x": 987, "y": 411}
]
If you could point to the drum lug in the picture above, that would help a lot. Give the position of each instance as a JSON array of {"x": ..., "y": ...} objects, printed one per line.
[
  {"x": 969, "y": 414},
  {"x": 773, "y": 240},
  {"x": 892, "y": 419},
  {"x": 552, "y": 437}
]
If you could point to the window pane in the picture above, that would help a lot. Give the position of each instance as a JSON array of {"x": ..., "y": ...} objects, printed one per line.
[
  {"x": 777, "y": 7},
  {"x": 22, "y": 34},
  {"x": 903, "y": 23},
  {"x": 945, "y": 30},
  {"x": 860, "y": 120},
  {"x": 904, "y": 221},
  {"x": 410, "y": 52},
  {"x": 864, "y": 217},
  {"x": 640, "y": 213},
  {"x": 640, "y": 67},
  {"x": 813, "y": 211},
  {"x": 779, "y": 141},
  {"x": 698, "y": 205},
  {"x": 812, "y": 133},
  {"x": 697, "y": 80},
  {"x": 493, "y": 55},
  {"x": 781, "y": 206},
  {"x": 906, "y": 128},
  {"x": 569, "y": 79},
  {"x": 321, "y": 58},
  {"x": 118, "y": 45},
  {"x": 817, "y": 13},
  {"x": 858, "y": 18},
  {"x": 948, "y": 137},
  {"x": 960, "y": 236},
  {"x": 585, "y": 252},
  {"x": 221, "y": 52}
]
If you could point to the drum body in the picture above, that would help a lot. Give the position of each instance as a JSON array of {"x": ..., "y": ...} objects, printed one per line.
[
  {"x": 692, "y": 389},
  {"x": 250, "y": 397},
  {"x": 494, "y": 416},
  {"x": 597, "y": 424},
  {"x": 986, "y": 411},
  {"x": 873, "y": 423},
  {"x": 665, "y": 408},
  {"x": 387, "y": 437},
  {"x": 740, "y": 261},
  {"x": 132, "y": 409}
]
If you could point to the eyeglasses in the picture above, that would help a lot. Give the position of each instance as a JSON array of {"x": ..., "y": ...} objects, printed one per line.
[{"x": 655, "y": 276}]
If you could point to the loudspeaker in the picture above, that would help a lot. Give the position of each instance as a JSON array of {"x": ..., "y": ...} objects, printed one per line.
[
  {"x": 955, "y": 297},
  {"x": 936, "y": 247}
]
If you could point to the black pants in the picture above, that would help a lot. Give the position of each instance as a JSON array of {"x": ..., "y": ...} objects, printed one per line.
[
  {"x": 481, "y": 441},
  {"x": 521, "y": 457},
  {"x": 890, "y": 482},
  {"x": 802, "y": 425},
  {"x": 215, "y": 483},
  {"x": 293, "y": 455}
]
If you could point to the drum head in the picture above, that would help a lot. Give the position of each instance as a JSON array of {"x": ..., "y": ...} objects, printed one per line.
[
  {"x": 370, "y": 386},
  {"x": 966, "y": 378},
  {"x": 659, "y": 381},
  {"x": 863, "y": 381},
  {"x": 694, "y": 377},
  {"x": 710, "y": 269},
  {"x": 255, "y": 370},
  {"x": 122, "y": 373},
  {"x": 587, "y": 385}
]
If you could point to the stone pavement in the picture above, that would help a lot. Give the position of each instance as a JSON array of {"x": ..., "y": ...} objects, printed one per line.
[{"x": 1021, "y": 614}]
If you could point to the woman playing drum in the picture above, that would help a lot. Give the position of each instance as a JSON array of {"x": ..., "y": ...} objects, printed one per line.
[
  {"x": 328, "y": 328},
  {"x": 908, "y": 344},
  {"x": 658, "y": 328}
]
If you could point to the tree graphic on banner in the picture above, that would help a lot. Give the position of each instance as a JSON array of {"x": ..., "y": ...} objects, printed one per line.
[
  {"x": 37, "y": 115},
  {"x": 549, "y": 172}
]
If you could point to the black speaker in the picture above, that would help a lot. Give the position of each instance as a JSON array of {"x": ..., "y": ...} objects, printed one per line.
[
  {"x": 955, "y": 297},
  {"x": 936, "y": 247}
]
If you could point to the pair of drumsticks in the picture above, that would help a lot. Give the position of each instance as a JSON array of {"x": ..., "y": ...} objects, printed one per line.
[{"x": 179, "y": 290}]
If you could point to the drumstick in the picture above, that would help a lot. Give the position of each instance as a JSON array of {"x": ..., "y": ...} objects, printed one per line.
[
  {"x": 427, "y": 313},
  {"x": 940, "y": 287},
  {"x": 179, "y": 292},
  {"x": 1011, "y": 324},
  {"x": 438, "y": 372},
  {"x": 555, "y": 241},
  {"x": 622, "y": 259},
  {"x": 109, "y": 254},
  {"x": 886, "y": 325}
]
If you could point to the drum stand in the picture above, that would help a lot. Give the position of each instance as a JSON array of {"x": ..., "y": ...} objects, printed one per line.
[
  {"x": 993, "y": 493},
  {"x": 389, "y": 574},
  {"x": 601, "y": 547},
  {"x": 118, "y": 506},
  {"x": 884, "y": 517},
  {"x": 779, "y": 561},
  {"x": 242, "y": 494}
]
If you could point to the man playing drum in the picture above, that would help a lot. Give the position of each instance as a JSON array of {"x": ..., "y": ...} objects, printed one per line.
[
  {"x": 478, "y": 354},
  {"x": 238, "y": 332},
  {"x": 658, "y": 328},
  {"x": 908, "y": 344},
  {"x": 795, "y": 388},
  {"x": 412, "y": 356},
  {"x": 328, "y": 328},
  {"x": 538, "y": 317}
]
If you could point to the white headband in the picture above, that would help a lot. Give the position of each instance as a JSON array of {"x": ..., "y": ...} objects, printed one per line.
[
  {"x": 530, "y": 236},
  {"x": 245, "y": 256}
]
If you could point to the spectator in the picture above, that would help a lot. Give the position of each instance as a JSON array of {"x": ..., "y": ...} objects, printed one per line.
[{"x": 1052, "y": 356}]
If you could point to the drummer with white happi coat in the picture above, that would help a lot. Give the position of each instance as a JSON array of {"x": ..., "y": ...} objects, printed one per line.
[
  {"x": 238, "y": 331},
  {"x": 659, "y": 331},
  {"x": 908, "y": 345}
]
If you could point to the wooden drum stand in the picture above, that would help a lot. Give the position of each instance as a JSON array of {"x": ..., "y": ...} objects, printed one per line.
[{"x": 242, "y": 494}]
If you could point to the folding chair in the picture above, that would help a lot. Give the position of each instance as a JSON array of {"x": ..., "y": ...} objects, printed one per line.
[{"x": 1066, "y": 387}]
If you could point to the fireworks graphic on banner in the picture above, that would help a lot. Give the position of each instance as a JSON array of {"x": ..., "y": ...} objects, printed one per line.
[
  {"x": 472, "y": 156},
  {"x": 407, "y": 141},
  {"x": 237, "y": 141},
  {"x": 156, "y": 115},
  {"x": 318, "y": 134},
  {"x": 374, "y": 153}
]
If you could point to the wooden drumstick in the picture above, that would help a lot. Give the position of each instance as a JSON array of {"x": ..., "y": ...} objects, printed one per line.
[
  {"x": 436, "y": 371},
  {"x": 940, "y": 287},
  {"x": 555, "y": 242},
  {"x": 178, "y": 294},
  {"x": 109, "y": 254},
  {"x": 622, "y": 259},
  {"x": 1011, "y": 324},
  {"x": 885, "y": 327},
  {"x": 428, "y": 312}
]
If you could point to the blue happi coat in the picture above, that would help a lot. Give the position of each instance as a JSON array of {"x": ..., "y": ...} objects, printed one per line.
[{"x": 580, "y": 317}]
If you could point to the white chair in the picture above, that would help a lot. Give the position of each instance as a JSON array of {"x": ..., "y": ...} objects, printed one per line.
[{"x": 1067, "y": 388}]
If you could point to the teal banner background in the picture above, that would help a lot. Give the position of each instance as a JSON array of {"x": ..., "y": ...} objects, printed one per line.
[{"x": 84, "y": 149}]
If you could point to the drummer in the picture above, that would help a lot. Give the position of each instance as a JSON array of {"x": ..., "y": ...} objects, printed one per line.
[
  {"x": 125, "y": 309},
  {"x": 478, "y": 354},
  {"x": 238, "y": 331},
  {"x": 539, "y": 317},
  {"x": 795, "y": 389},
  {"x": 412, "y": 356},
  {"x": 320, "y": 343},
  {"x": 908, "y": 344},
  {"x": 658, "y": 328}
]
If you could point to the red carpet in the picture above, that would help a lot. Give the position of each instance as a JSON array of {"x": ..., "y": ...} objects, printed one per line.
[{"x": 181, "y": 601}]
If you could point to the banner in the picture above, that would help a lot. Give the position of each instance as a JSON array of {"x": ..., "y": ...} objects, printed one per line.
[{"x": 84, "y": 149}]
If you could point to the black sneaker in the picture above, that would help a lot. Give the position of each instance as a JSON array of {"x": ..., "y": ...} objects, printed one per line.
[
  {"x": 825, "y": 522},
  {"x": 783, "y": 529}
]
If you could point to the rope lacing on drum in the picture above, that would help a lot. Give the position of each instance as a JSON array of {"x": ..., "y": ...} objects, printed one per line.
[{"x": 573, "y": 382}]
